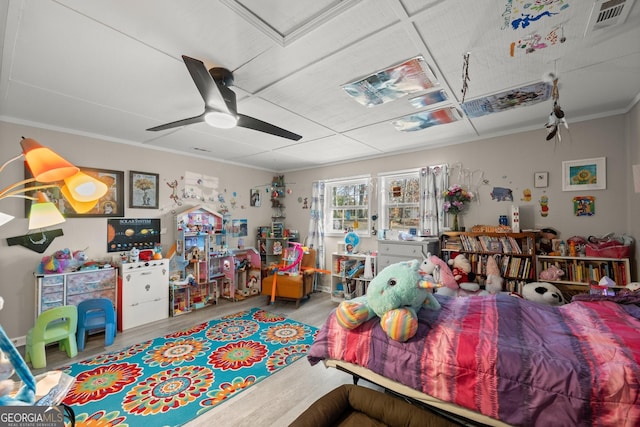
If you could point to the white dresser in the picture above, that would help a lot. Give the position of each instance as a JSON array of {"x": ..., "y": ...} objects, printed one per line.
[
  {"x": 393, "y": 251},
  {"x": 143, "y": 293}
]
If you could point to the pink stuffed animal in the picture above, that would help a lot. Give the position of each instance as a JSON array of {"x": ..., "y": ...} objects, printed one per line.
[
  {"x": 494, "y": 281},
  {"x": 551, "y": 273},
  {"x": 443, "y": 275}
]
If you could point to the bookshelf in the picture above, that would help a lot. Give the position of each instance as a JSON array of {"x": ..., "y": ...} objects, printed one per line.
[
  {"x": 348, "y": 275},
  {"x": 514, "y": 253},
  {"x": 579, "y": 272}
]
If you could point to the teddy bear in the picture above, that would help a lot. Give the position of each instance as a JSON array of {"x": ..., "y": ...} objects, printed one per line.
[
  {"x": 551, "y": 273},
  {"x": 395, "y": 295},
  {"x": 543, "y": 293}
]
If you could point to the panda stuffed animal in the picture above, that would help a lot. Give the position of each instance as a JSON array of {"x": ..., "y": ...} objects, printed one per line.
[{"x": 543, "y": 293}]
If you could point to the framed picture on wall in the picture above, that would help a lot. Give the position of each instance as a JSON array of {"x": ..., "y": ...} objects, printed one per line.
[
  {"x": 541, "y": 179},
  {"x": 143, "y": 190},
  {"x": 586, "y": 174},
  {"x": 254, "y": 197},
  {"x": 109, "y": 205}
]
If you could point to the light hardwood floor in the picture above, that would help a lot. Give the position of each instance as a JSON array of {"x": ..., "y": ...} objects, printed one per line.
[{"x": 275, "y": 401}]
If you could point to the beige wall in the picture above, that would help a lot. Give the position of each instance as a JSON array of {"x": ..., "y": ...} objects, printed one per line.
[
  {"x": 508, "y": 161},
  {"x": 633, "y": 158},
  {"x": 17, "y": 263}
]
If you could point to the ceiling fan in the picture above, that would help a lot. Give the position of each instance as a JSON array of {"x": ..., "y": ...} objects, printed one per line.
[{"x": 220, "y": 103}]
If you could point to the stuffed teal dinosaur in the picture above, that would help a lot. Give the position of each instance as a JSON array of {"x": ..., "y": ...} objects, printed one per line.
[{"x": 395, "y": 295}]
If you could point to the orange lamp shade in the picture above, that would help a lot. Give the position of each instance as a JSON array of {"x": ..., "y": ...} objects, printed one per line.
[
  {"x": 44, "y": 163},
  {"x": 78, "y": 206},
  {"x": 44, "y": 213},
  {"x": 85, "y": 188}
]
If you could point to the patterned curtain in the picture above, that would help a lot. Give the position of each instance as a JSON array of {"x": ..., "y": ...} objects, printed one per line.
[
  {"x": 315, "y": 238},
  {"x": 433, "y": 180}
]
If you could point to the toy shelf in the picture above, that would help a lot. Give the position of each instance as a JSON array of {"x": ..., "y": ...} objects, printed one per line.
[{"x": 348, "y": 275}]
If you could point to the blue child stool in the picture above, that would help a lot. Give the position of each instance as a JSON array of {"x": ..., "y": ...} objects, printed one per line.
[{"x": 96, "y": 313}]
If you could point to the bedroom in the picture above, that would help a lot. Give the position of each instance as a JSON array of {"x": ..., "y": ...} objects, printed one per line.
[{"x": 506, "y": 157}]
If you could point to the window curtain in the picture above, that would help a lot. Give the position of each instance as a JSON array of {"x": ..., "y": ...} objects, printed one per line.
[
  {"x": 433, "y": 180},
  {"x": 315, "y": 237}
]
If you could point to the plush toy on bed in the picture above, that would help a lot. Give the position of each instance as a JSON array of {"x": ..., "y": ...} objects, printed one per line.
[
  {"x": 493, "y": 283},
  {"x": 395, "y": 295},
  {"x": 543, "y": 293},
  {"x": 450, "y": 286},
  {"x": 632, "y": 288},
  {"x": 460, "y": 267}
]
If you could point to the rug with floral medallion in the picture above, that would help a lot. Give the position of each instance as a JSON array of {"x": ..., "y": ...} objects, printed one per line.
[{"x": 172, "y": 379}]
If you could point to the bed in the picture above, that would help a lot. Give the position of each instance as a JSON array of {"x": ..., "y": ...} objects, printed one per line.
[{"x": 502, "y": 360}]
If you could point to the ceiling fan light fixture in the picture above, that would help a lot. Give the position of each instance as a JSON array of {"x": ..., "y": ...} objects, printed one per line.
[{"x": 220, "y": 119}]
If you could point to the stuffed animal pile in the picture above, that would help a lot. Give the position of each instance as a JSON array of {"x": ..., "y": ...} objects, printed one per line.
[
  {"x": 395, "y": 295},
  {"x": 63, "y": 260},
  {"x": 454, "y": 282}
]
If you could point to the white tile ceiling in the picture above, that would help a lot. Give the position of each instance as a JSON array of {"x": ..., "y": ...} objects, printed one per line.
[{"x": 112, "y": 69}]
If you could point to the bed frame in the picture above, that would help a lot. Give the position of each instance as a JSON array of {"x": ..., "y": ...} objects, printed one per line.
[{"x": 453, "y": 413}]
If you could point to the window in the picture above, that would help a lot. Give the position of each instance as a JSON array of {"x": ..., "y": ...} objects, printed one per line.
[
  {"x": 400, "y": 200},
  {"x": 411, "y": 199},
  {"x": 347, "y": 206}
]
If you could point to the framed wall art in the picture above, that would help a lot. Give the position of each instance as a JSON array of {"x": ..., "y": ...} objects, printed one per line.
[
  {"x": 586, "y": 174},
  {"x": 110, "y": 205},
  {"x": 254, "y": 197},
  {"x": 143, "y": 190},
  {"x": 584, "y": 206},
  {"x": 541, "y": 179}
]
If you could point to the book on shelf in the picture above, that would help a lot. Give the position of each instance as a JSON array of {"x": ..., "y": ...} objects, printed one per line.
[{"x": 505, "y": 265}]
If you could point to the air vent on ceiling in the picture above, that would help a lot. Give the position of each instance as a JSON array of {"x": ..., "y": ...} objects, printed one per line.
[{"x": 607, "y": 13}]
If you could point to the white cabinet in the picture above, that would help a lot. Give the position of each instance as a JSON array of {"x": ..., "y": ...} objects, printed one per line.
[
  {"x": 394, "y": 251},
  {"x": 54, "y": 290},
  {"x": 349, "y": 277},
  {"x": 143, "y": 293}
]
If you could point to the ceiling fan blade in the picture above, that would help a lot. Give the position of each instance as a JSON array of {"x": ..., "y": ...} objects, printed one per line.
[
  {"x": 206, "y": 85},
  {"x": 259, "y": 125},
  {"x": 178, "y": 123}
]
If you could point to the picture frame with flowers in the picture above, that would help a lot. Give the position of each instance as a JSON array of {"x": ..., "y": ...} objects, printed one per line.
[{"x": 586, "y": 174}]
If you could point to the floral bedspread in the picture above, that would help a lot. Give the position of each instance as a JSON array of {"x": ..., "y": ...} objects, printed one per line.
[{"x": 514, "y": 360}]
